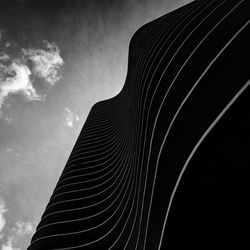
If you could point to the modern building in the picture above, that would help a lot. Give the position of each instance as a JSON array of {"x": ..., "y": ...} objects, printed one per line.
[{"x": 164, "y": 164}]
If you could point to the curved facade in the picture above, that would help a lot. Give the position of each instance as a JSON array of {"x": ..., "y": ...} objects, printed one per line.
[{"x": 164, "y": 163}]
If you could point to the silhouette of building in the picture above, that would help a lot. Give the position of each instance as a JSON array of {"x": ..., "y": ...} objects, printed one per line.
[{"x": 164, "y": 163}]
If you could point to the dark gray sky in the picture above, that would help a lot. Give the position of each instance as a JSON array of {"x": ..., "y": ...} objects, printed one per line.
[{"x": 57, "y": 58}]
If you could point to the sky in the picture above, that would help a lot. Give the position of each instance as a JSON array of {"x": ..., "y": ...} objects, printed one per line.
[{"x": 57, "y": 58}]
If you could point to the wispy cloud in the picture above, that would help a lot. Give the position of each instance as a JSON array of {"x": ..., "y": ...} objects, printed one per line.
[
  {"x": 45, "y": 62},
  {"x": 2, "y": 211},
  {"x": 4, "y": 57},
  {"x": 15, "y": 78},
  {"x": 17, "y": 75},
  {"x": 7, "y": 119},
  {"x": 10, "y": 44},
  {"x": 23, "y": 228},
  {"x": 9, "y": 245},
  {"x": 70, "y": 118},
  {"x": 19, "y": 231}
]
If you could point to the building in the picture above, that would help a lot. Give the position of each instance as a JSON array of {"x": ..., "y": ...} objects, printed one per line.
[{"x": 164, "y": 163}]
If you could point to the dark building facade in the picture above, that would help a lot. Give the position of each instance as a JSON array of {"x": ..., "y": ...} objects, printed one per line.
[{"x": 164, "y": 164}]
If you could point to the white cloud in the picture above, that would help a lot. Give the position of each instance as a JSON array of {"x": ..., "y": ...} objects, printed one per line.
[
  {"x": 45, "y": 62},
  {"x": 15, "y": 78},
  {"x": 9, "y": 245},
  {"x": 15, "y": 74},
  {"x": 2, "y": 219},
  {"x": 8, "y": 120},
  {"x": 9, "y": 150},
  {"x": 9, "y": 44},
  {"x": 20, "y": 230},
  {"x": 69, "y": 122},
  {"x": 4, "y": 56},
  {"x": 70, "y": 117},
  {"x": 23, "y": 228}
]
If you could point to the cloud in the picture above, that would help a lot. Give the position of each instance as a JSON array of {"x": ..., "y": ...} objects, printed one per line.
[
  {"x": 9, "y": 245},
  {"x": 2, "y": 211},
  {"x": 19, "y": 231},
  {"x": 70, "y": 117},
  {"x": 16, "y": 75},
  {"x": 45, "y": 62},
  {"x": 10, "y": 44},
  {"x": 15, "y": 78},
  {"x": 4, "y": 57},
  {"x": 23, "y": 228},
  {"x": 8, "y": 120}
]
